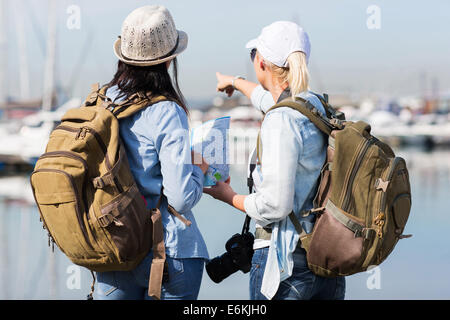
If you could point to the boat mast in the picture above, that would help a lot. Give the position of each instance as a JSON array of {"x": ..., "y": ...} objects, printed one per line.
[
  {"x": 49, "y": 73},
  {"x": 22, "y": 46},
  {"x": 3, "y": 55}
]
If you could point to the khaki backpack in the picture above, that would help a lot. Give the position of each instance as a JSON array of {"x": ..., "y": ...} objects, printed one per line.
[
  {"x": 87, "y": 197},
  {"x": 363, "y": 199}
]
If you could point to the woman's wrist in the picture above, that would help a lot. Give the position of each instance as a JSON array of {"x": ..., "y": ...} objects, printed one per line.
[
  {"x": 233, "y": 82},
  {"x": 245, "y": 87},
  {"x": 204, "y": 166},
  {"x": 228, "y": 197},
  {"x": 238, "y": 201}
]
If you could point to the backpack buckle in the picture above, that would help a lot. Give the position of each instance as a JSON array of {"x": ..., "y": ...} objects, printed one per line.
[
  {"x": 358, "y": 233},
  {"x": 105, "y": 220},
  {"x": 141, "y": 96},
  {"x": 368, "y": 233},
  {"x": 337, "y": 123},
  {"x": 108, "y": 105},
  {"x": 381, "y": 185},
  {"x": 98, "y": 183}
]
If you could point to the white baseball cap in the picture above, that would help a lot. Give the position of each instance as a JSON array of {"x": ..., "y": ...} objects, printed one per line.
[{"x": 278, "y": 40}]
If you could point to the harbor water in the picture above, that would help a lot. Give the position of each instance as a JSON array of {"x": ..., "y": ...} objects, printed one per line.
[{"x": 417, "y": 269}]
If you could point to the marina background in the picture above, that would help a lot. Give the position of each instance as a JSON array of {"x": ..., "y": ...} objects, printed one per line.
[
  {"x": 417, "y": 269},
  {"x": 395, "y": 77}
]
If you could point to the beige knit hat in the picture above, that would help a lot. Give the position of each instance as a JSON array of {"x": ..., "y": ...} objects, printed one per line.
[{"x": 149, "y": 37}]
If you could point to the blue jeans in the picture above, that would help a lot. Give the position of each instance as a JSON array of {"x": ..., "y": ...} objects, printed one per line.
[
  {"x": 185, "y": 276},
  {"x": 302, "y": 285}
]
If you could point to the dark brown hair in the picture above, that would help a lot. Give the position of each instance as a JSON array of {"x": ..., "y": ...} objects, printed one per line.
[{"x": 152, "y": 80}]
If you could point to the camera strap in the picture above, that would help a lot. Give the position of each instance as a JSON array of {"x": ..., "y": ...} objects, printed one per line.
[
  {"x": 246, "y": 227},
  {"x": 250, "y": 183}
]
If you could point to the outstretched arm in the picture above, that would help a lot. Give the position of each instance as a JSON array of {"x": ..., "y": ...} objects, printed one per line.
[
  {"x": 260, "y": 98},
  {"x": 225, "y": 84}
]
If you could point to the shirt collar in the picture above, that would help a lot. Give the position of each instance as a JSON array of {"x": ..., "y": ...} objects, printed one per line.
[{"x": 284, "y": 95}]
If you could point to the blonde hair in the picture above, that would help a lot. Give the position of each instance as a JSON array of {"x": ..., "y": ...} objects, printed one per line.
[{"x": 296, "y": 74}]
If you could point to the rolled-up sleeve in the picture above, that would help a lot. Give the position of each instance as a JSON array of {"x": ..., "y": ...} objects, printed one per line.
[
  {"x": 281, "y": 148},
  {"x": 182, "y": 181},
  {"x": 261, "y": 99}
]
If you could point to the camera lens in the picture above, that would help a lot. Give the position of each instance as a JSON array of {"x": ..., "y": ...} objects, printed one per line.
[
  {"x": 238, "y": 257},
  {"x": 221, "y": 267}
]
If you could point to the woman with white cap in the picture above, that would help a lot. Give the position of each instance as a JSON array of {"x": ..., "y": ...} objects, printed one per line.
[
  {"x": 286, "y": 176},
  {"x": 156, "y": 140}
]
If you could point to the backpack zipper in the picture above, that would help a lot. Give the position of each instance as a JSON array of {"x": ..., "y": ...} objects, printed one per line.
[
  {"x": 68, "y": 154},
  {"x": 388, "y": 177},
  {"x": 41, "y": 218},
  {"x": 81, "y": 133},
  {"x": 77, "y": 204},
  {"x": 358, "y": 162},
  {"x": 379, "y": 220}
]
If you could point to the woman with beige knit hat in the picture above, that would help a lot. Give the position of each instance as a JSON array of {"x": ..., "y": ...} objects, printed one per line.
[{"x": 156, "y": 140}]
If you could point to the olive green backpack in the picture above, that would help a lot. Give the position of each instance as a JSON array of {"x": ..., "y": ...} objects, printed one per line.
[
  {"x": 87, "y": 197},
  {"x": 363, "y": 200}
]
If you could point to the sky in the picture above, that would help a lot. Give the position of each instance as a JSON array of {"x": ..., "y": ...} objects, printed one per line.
[{"x": 409, "y": 54}]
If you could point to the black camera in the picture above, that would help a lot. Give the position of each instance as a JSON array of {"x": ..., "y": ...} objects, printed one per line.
[{"x": 238, "y": 256}]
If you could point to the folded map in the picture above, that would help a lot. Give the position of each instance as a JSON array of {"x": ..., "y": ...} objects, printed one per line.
[{"x": 211, "y": 141}]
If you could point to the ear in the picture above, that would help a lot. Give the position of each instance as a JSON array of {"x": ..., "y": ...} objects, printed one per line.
[{"x": 262, "y": 66}]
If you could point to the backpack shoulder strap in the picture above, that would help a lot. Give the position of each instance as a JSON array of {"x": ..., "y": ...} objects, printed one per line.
[
  {"x": 134, "y": 104},
  {"x": 124, "y": 109},
  {"x": 308, "y": 110},
  {"x": 96, "y": 91},
  {"x": 330, "y": 111}
]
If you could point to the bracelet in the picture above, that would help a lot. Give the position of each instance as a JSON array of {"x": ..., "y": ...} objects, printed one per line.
[{"x": 234, "y": 79}]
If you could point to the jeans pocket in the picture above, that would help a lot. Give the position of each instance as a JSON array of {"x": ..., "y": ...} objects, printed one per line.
[
  {"x": 257, "y": 258},
  {"x": 289, "y": 291},
  {"x": 107, "y": 284},
  {"x": 185, "y": 277},
  {"x": 176, "y": 267},
  {"x": 256, "y": 274},
  {"x": 340, "y": 289}
]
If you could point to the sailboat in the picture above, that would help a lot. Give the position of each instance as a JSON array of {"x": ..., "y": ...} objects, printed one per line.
[
  {"x": 23, "y": 143},
  {"x": 25, "y": 146}
]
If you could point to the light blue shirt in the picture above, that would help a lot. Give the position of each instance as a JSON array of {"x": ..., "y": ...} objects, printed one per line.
[
  {"x": 157, "y": 144},
  {"x": 293, "y": 154}
]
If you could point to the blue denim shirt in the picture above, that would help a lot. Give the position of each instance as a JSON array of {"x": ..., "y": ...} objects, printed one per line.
[
  {"x": 157, "y": 144},
  {"x": 293, "y": 153}
]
